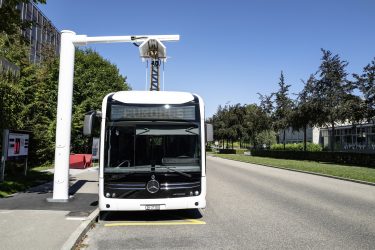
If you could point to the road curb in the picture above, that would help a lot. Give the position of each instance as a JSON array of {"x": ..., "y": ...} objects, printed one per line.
[
  {"x": 76, "y": 237},
  {"x": 305, "y": 172}
]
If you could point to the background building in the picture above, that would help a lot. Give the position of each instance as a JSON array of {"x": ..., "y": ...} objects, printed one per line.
[
  {"x": 312, "y": 135},
  {"x": 348, "y": 137},
  {"x": 7, "y": 67},
  {"x": 357, "y": 137},
  {"x": 41, "y": 35}
]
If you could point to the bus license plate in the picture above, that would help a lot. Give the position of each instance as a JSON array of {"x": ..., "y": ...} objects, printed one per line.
[{"x": 152, "y": 207}]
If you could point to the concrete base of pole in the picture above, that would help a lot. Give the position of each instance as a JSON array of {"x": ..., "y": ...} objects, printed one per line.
[{"x": 60, "y": 200}]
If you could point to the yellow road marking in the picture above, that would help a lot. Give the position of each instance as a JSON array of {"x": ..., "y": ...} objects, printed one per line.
[{"x": 165, "y": 223}]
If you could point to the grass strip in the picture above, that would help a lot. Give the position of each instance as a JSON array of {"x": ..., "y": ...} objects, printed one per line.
[
  {"x": 344, "y": 171},
  {"x": 43, "y": 167}
]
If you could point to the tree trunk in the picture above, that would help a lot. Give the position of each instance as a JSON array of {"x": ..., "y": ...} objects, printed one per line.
[
  {"x": 304, "y": 138},
  {"x": 284, "y": 139},
  {"x": 254, "y": 143},
  {"x": 333, "y": 137}
]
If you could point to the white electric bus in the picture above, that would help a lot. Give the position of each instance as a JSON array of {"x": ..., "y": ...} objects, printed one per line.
[{"x": 152, "y": 151}]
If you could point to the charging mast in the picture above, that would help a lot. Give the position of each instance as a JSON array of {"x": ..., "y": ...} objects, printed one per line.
[{"x": 151, "y": 48}]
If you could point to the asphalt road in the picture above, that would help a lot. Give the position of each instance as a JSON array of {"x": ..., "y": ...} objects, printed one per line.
[{"x": 253, "y": 207}]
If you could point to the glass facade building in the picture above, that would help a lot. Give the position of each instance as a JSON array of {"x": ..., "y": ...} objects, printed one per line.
[
  {"x": 348, "y": 137},
  {"x": 41, "y": 35},
  {"x": 360, "y": 137}
]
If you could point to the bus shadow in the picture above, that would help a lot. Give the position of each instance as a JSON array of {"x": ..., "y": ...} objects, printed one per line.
[{"x": 151, "y": 216}]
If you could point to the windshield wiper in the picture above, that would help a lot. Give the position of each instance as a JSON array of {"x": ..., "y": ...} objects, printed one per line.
[
  {"x": 177, "y": 171},
  {"x": 121, "y": 163},
  {"x": 191, "y": 132},
  {"x": 146, "y": 130}
]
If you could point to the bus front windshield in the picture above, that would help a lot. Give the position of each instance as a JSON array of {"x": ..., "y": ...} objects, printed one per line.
[{"x": 145, "y": 148}]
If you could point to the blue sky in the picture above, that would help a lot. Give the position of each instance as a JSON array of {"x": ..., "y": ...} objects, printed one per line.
[{"x": 229, "y": 50}]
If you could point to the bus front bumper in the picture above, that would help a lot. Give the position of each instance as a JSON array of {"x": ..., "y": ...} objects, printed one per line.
[{"x": 112, "y": 204}]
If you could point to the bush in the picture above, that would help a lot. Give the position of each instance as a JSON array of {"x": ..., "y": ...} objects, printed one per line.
[
  {"x": 241, "y": 151},
  {"x": 311, "y": 147},
  {"x": 267, "y": 137},
  {"x": 227, "y": 151}
]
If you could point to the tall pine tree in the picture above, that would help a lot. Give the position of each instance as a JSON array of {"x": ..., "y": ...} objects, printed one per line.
[
  {"x": 305, "y": 111},
  {"x": 332, "y": 91},
  {"x": 366, "y": 84},
  {"x": 283, "y": 107}
]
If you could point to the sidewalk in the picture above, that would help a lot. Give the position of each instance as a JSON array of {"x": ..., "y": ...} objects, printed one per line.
[{"x": 28, "y": 221}]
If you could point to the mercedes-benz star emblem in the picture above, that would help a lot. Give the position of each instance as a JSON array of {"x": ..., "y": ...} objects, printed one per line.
[{"x": 153, "y": 186}]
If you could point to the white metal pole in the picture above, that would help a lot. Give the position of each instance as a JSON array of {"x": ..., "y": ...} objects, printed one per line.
[{"x": 64, "y": 118}]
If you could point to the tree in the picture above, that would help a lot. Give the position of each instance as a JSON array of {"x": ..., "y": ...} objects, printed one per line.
[
  {"x": 366, "y": 84},
  {"x": 283, "y": 107},
  {"x": 94, "y": 77},
  {"x": 266, "y": 103},
  {"x": 218, "y": 125},
  {"x": 266, "y": 138},
  {"x": 39, "y": 113},
  {"x": 11, "y": 91},
  {"x": 10, "y": 107},
  {"x": 305, "y": 110},
  {"x": 332, "y": 89},
  {"x": 256, "y": 121},
  {"x": 10, "y": 21},
  {"x": 30, "y": 102},
  {"x": 238, "y": 112}
]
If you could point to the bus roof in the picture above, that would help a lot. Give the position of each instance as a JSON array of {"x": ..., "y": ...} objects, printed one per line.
[{"x": 153, "y": 97}]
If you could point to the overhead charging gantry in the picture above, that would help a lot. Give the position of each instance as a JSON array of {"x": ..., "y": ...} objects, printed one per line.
[
  {"x": 150, "y": 47},
  {"x": 154, "y": 51}
]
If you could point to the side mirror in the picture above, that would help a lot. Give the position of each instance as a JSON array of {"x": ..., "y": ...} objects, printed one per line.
[
  {"x": 209, "y": 133},
  {"x": 89, "y": 121}
]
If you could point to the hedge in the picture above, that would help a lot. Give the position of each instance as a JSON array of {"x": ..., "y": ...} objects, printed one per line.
[
  {"x": 232, "y": 151},
  {"x": 297, "y": 147},
  {"x": 359, "y": 159}
]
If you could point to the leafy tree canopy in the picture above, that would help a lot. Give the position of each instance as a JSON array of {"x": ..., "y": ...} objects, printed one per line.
[
  {"x": 30, "y": 102},
  {"x": 366, "y": 84}
]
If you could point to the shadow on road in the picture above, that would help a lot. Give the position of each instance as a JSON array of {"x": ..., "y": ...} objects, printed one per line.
[{"x": 36, "y": 199}]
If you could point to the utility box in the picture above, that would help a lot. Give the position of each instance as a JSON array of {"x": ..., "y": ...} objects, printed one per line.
[{"x": 80, "y": 161}]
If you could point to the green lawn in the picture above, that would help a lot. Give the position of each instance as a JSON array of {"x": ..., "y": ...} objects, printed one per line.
[
  {"x": 351, "y": 172},
  {"x": 18, "y": 182}
]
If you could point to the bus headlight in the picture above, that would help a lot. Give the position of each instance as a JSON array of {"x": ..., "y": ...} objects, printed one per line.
[
  {"x": 107, "y": 195},
  {"x": 196, "y": 192}
]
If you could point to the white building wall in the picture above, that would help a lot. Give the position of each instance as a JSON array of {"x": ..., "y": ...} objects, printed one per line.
[
  {"x": 312, "y": 135},
  {"x": 315, "y": 135}
]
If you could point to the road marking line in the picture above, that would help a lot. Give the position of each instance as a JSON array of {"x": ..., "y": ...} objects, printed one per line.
[
  {"x": 6, "y": 212},
  {"x": 166, "y": 223}
]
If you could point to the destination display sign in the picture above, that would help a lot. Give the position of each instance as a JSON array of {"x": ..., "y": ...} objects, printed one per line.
[{"x": 165, "y": 112}]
